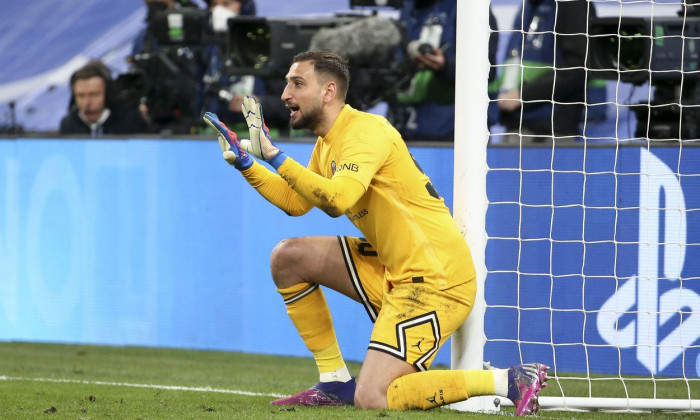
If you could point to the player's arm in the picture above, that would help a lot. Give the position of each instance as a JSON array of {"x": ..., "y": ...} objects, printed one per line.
[
  {"x": 333, "y": 196},
  {"x": 296, "y": 189},
  {"x": 268, "y": 184},
  {"x": 276, "y": 190}
]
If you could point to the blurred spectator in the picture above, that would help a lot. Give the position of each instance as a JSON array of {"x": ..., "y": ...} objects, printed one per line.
[
  {"x": 222, "y": 10},
  {"x": 425, "y": 110},
  {"x": 537, "y": 100},
  {"x": 222, "y": 89},
  {"x": 165, "y": 74},
  {"x": 144, "y": 42},
  {"x": 95, "y": 108}
]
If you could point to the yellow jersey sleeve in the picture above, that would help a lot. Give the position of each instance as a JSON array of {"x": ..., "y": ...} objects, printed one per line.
[
  {"x": 333, "y": 196},
  {"x": 276, "y": 190}
]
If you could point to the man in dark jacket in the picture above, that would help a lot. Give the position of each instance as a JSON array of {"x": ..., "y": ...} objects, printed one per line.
[
  {"x": 425, "y": 109},
  {"x": 95, "y": 110},
  {"x": 537, "y": 100}
]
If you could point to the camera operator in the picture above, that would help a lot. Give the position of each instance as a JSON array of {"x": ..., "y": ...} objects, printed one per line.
[
  {"x": 144, "y": 42},
  {"x": 425, "y": 109},
  {"x": 224, "y": 92},
  {"x": 230, "y": 8},
  {"x": 164, "y": 77},
  {"x": 95, "y": 109},
  {"x": 537, "y": 101}
]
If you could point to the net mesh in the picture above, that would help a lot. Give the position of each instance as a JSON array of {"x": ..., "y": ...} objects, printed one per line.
[{"x": 593, "y": 235}]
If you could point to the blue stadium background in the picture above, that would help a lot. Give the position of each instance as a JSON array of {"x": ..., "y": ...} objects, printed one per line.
[{"x": 160, "y": 243}]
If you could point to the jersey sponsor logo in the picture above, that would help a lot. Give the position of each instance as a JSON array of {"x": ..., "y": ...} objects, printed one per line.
[
  {"x": 353, "y": 167},
  {"x": 359, "y": 215}
]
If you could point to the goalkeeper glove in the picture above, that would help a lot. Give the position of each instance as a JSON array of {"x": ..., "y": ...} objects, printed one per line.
[
  {"x": 231, "y": 148},
  {"x": 260, "y": 144}
]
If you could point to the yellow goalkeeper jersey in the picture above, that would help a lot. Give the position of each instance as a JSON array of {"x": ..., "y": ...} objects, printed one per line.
[{"x": 400, "y": 213}]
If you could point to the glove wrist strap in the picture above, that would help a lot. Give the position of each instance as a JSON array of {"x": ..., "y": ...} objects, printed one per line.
[
  {"x": 242, "y": 166},
  {"x": 277, "y": 160}
]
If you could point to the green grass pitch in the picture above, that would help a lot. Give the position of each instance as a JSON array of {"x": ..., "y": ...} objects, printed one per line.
[{"x": 59, "y": 381}]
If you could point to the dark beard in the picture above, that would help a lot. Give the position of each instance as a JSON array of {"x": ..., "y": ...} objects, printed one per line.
[{"x": 307, "y": 120}]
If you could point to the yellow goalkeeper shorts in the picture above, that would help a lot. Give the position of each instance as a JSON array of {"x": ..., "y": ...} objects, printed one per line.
[{"x": 411, "y": 320}]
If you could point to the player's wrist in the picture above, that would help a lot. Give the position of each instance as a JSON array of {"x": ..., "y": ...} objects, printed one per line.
[
  {"x": 243, "y": 164},
  {"x": 277, "y": 160}
]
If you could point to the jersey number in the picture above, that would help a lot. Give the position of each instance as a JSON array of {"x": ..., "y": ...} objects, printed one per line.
[{"x": 429, "y": 186}]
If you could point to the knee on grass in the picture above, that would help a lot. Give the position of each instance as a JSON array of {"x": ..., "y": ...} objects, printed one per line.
[{"x": 368, "y": 399}]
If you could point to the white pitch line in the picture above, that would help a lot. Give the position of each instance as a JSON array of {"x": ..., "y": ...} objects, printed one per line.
[{"x": 150, "y": 386}]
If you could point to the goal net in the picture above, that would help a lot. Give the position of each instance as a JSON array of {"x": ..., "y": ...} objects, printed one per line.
[{"x": 587, "y": 243}]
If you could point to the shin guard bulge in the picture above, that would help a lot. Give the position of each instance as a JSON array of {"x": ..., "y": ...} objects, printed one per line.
[
  {"x": 435, "y": 388},
  {"x": 308, "y": 310}
]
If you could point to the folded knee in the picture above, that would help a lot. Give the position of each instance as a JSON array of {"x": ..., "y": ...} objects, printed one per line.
[{"x": 284, "y": 257}]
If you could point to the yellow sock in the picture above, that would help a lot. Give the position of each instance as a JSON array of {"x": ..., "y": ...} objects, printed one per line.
[
  {"x": 308, "y": 310},
  {"x": 435, "y": 388}
]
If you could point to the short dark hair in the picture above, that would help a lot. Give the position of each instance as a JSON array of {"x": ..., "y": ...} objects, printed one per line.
[
  {"x": 94, "y": 68},
  {"x": 328, "y": 64}
]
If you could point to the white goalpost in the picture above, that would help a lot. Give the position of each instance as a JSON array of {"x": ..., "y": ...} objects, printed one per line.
[
  {"x": 587, "y": 249},
  {"x": 469, "y": 199}
]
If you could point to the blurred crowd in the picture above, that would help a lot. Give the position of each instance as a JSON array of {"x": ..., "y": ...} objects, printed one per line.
[{"x": 538, "y": 90}]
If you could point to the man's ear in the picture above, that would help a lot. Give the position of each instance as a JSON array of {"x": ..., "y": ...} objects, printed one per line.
[{"x": 330, "y": 92}]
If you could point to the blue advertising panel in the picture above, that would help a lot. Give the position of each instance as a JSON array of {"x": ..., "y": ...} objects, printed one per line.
[
  {"x": 606, "y": 268},
  {"x": 159, "y": 242},
  {"x": 155, "y": 242}
]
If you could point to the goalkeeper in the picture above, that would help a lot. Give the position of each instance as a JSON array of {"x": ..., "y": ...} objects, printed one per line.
[{"x": 413, "y": 273}]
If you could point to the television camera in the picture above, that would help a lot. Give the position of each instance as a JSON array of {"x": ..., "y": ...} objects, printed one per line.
[
  {"x": 166, "y": 74},
  {"x": 665, "y": 52},
  {"x": 170, "y": 74},
  {"x": 265, "y": 46}
]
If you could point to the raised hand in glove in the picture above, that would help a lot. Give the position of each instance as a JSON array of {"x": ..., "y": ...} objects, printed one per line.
[
  {"x": 260, "y": 144},
  {"x": 231, "y": 148}
]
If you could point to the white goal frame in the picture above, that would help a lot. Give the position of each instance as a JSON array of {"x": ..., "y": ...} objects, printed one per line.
[{"x": 470, "y": 207}]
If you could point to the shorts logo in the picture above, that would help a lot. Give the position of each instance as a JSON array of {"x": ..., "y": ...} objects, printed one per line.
[{"x": 401, "y": 350}]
